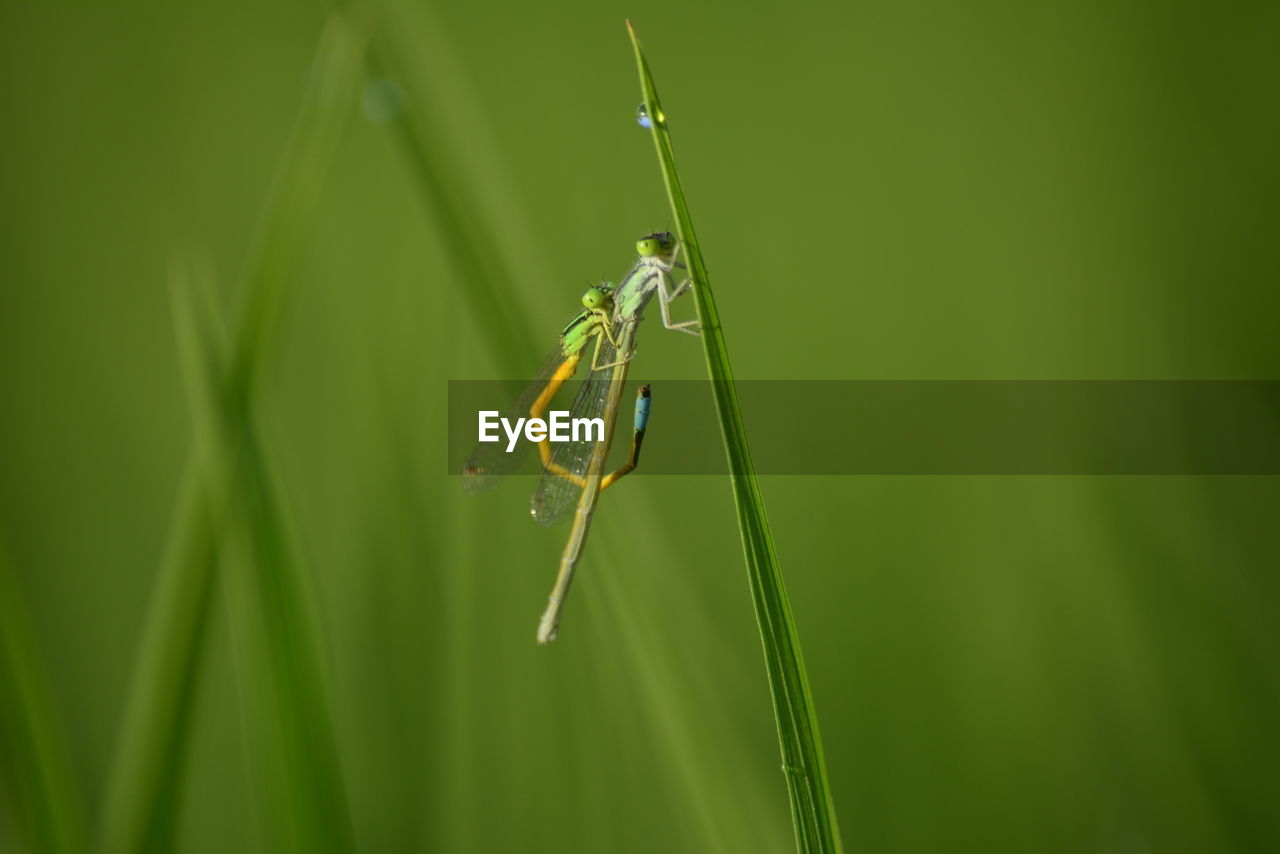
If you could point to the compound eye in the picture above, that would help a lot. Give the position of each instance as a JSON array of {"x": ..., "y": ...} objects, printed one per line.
[
  {"x": 655, "y": 244},
  {"x": 594, "y": 298}
]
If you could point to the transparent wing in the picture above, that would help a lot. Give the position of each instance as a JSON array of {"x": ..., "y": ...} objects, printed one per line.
[
  {"x": 555, "y": 492},
  {"x": 490, "y": 462}
]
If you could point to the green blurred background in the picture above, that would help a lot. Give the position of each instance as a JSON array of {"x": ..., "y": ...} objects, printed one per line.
[{"x": 915, "y": 190}]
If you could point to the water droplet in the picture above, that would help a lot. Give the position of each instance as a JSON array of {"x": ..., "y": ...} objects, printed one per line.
[
  {"x": 382, "y": 101},
  {"x": 645, "y": 121}
]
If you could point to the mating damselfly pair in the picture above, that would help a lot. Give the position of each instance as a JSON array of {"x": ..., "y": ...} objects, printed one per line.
[{"x": 573, "y": 471}]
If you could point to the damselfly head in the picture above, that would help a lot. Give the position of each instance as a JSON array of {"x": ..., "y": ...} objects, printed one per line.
[
  {"x": 658, "y": 243},
  {"x": 598, "y": 297}
]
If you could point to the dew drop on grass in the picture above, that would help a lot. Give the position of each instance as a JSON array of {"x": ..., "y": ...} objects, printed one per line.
[{"x": 644, "y": 120}]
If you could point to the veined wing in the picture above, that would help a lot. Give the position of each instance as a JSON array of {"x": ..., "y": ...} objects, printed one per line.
[
  {"x": 490, "y": 462},
  {"x": 561, "y": 482}
]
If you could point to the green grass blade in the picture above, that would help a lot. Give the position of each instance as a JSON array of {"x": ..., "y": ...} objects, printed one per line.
[
  {"x": 812, "y": 810},
  {"x": 144, "y": 795},
  {"x": 36, "y": 791},
  {"x": 278, "y": 654},
  {"x": 274, "y": 629},
  {"x": 326, "y": 112},
  {"x": 466, "y": 235},
  {"x": 463, "y": 229},
  {"x": 301, "y": 794}
]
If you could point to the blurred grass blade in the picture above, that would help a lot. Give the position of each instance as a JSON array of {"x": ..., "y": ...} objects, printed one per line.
[
  {"x": 273, "y": 626},
  {"x": 144, "y": 796},
  {"x": 36, "y": 793},
  {"x": 469, "y": 242},
  {"x": 486, "y": 282},
  {"x": 326, "y": 112},
  {"x": 301, "y": 796},
  {"x": 278, "y": 657},
  {"x": 812, "y": 810}
]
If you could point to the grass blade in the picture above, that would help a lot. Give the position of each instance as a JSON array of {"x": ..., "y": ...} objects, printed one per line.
[
  {"x": 275, "y": 640},
  {"x": 144, "y": 795},
  {"x": 466, "y": 235},
  {"x": 35, "y": 777},
  {"x": 812, "y": 810},
  {"x": 463, "y": 230}
]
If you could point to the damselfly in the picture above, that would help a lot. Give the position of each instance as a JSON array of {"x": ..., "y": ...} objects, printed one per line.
[{"x": 573, "y": 471}]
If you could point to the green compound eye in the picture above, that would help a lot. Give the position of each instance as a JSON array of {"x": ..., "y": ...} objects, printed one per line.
[
  {"x": 595, "y": 298},
  {"x": 654, "y": 244}
]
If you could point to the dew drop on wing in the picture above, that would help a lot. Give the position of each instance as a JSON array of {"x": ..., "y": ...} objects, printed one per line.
[{"x": 642, "y": 117}]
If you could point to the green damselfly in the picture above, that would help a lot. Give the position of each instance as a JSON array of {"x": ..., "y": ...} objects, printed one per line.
[
  {"x": 590, "y": 329},
  {"x": 573, "y": 472}
]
